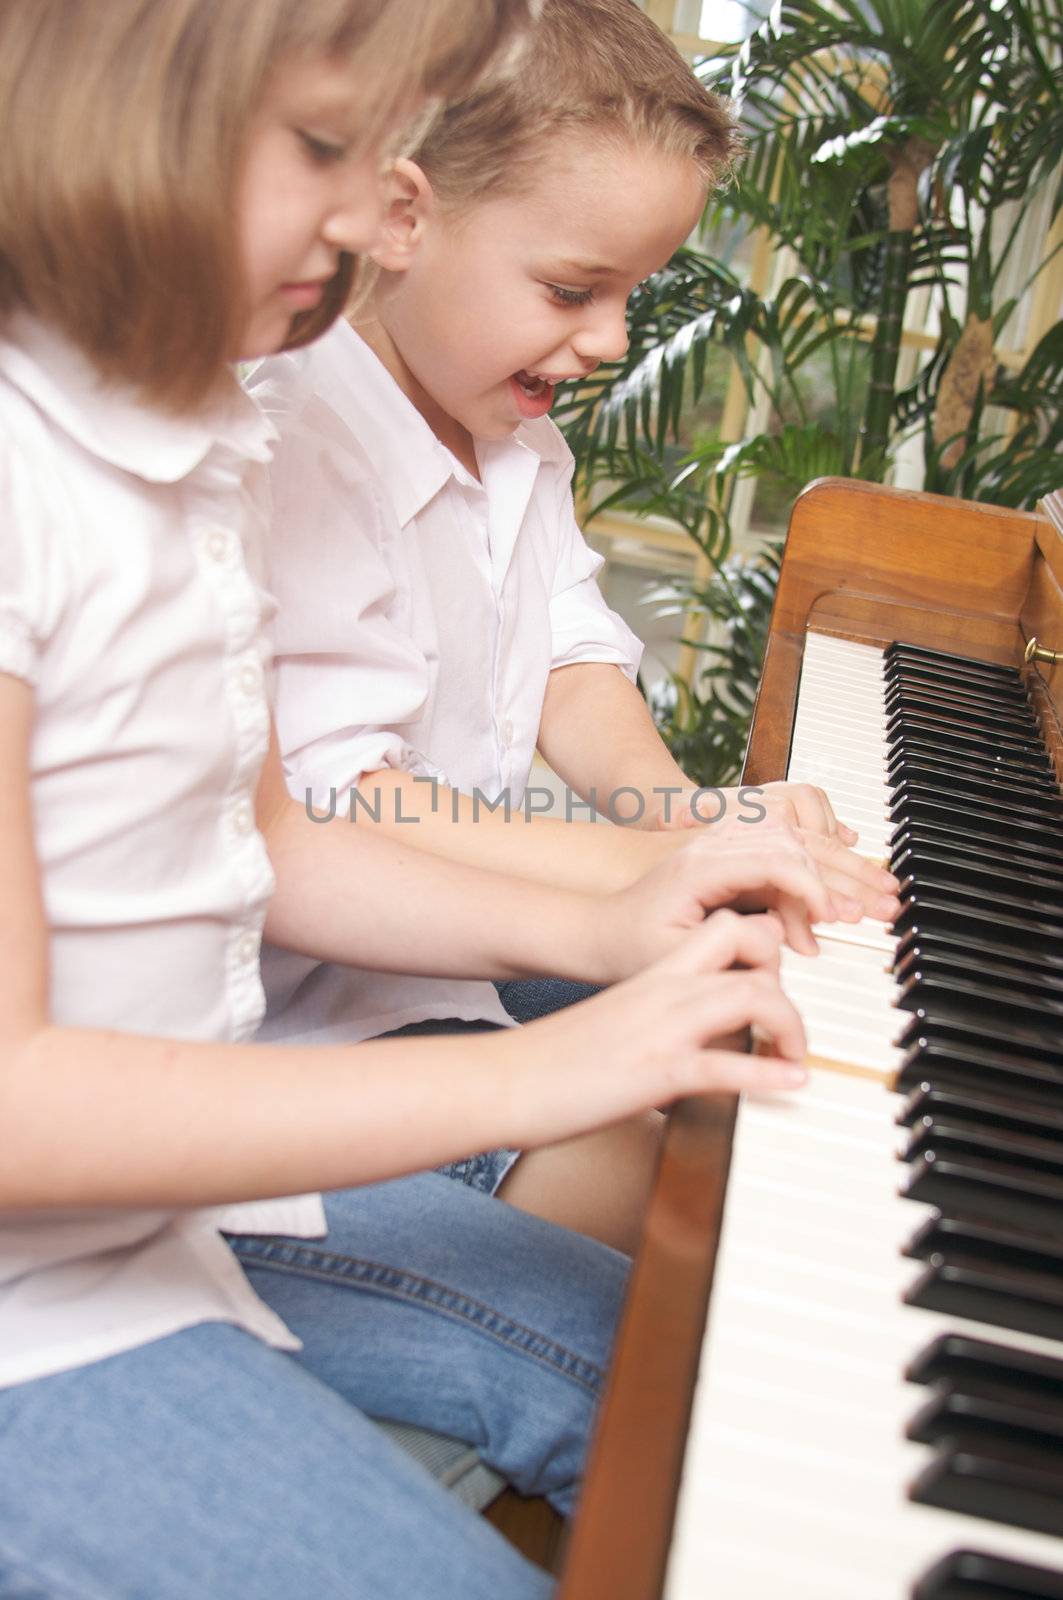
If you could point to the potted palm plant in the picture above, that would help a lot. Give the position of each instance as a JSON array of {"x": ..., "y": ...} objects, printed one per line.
[{"x": 893, "y": 149}]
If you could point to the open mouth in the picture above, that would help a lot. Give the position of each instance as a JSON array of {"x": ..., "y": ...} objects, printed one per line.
[
  {"x": 534, "y": 395},
  {"x": 531, "y": 385}
]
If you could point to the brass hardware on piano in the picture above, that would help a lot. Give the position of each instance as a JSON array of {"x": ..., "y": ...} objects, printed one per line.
[
  {"x": 1037, "y": 652},
  {"x": 840, "y": 1373}
]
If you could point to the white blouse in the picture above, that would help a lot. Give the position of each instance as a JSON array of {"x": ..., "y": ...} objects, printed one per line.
[
  {"x": 131, "y": 602},
  {"x": 420, "y": 615}
]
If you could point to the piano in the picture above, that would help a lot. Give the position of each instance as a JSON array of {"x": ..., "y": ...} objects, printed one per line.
[{"x": 840, "y": 1370}]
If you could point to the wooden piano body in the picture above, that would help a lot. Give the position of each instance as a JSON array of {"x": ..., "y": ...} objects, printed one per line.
[{"x": 871, "y": 564}]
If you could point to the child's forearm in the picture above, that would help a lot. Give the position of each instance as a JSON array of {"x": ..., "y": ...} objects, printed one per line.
[
  {"x": 594, "y": 857},
  {"x": 100, "y": 1119},
  {"x": 357, "y": 897},
  {"x": 111, "y": 1119},
  {"x": 363, "y": 900},
  {"x": 597, "y": 734}
]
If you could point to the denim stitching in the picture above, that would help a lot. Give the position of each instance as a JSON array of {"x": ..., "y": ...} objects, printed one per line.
[{"x": 330, "y": 1267}]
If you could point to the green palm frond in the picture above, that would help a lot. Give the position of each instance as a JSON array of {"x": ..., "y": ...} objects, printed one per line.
[
  {"x": 883, "y": 138},
  {"x": 673, "y": 320},
  {"x": 706, "y": 726}
]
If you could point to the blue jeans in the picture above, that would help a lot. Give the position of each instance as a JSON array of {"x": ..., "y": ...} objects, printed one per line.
[
  {"x": 528, "y": 998},
  {"x": 206, "y": 1466}
]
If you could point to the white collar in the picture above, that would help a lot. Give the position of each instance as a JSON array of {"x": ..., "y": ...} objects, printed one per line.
[
  {"x": 112, "y": 422},
  {"x": 398, "y": 440}
]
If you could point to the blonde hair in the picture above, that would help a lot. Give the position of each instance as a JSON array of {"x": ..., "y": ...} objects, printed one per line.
[
  {"x": 595, "y": 66},
  {"x": 125, "y": 125}
]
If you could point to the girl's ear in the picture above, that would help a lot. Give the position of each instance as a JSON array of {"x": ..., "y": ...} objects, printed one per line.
[{"x": 408, "y": 205}]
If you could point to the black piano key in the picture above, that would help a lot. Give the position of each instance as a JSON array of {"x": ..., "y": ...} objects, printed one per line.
[
  {"x": 944, "y": 941},
  {"x": 998, "y": 1294},
  {"x": 943, "y": 1063},
  {"x": 1004, "y": 806},
  {"x": 994, "y": 1110},
  {"x": 944, "y": 998},
  {"x": 991, "y": 1273},
  {"x": 983, "y": 1367},
  {"x": 933, "y": 679},
  {"x": 972, "y": 1239},
  {"x": 1042, "y": 1152},
  {"x": 981, "y": 1187},
  {"x": 1021, "y": 1043},
  {"x": 960, "y": 739},
  {"x": 969, "y": 790},
  {"x": 1023, "y": 852},
  {"x": 966, "y": 1418},
  {"x": 1017, "y": 722},
  {"x": 959, "y": 696},
  {"x": 1004, "y": 690},
  {"x": 950, "y": 967},
  {"x": 1020, "y": 901},
  {"x": 916, "y": 861},
  {"x": 954, "y": 734},
  {"x": 1002, "y": 778},
  {"x": 974, "y": 1575},
  {"x": 913, "y": 802},
  {"x": 965, "y": 777},
  {"x": 1034, "y": 768},
  {"x": 897, "y": 655},
  {"x": 928, "y": 914},
  {"x": 994, "y": 1481}
]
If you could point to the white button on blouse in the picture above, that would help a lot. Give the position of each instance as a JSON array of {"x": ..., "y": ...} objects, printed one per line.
[
  {"x": 244, "y": 817},
  {"x": 250, "y": 678},
  {"x": 218, "y": 545}
]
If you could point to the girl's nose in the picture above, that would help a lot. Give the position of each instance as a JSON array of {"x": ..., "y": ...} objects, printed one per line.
[{"x": 356, "y": 221}]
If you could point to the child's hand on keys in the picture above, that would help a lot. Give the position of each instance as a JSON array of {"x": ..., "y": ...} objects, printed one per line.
[
  {"x": 660, "y": 1035},
  {"x": 860, "y": 887},
  {"x": 802, "y": 805},
  {"x": 768, "y": 869}
]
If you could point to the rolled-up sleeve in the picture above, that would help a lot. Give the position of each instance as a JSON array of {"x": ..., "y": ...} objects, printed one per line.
[
  {"x": 582, "y": 627},
  {"x": 347, "y": 674}
]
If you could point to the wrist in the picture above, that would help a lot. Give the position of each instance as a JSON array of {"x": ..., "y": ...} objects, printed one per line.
[
  {"x": 602, "y": 940},
  {"x": 641, "y": 851}
]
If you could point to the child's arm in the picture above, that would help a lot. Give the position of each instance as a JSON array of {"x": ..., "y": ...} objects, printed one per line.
[
  {"x": 521, "y": 840},
  {"x": 597, "y": 734},
  {"x": 348, "y": 895},
  {"x": 102, "y": 1118}
]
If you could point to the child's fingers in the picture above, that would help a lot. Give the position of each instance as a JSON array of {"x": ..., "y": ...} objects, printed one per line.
[
  {"x": 775, "y": 861},
  {"x": 806, "y": 805},
  {"x": 728, "y": 939},
  {"x": 786, "y": 882},
  {"x": 727, "y": 1072},
  {"x": 872, "y": 891},
  {"x": 795, "y": 923},
  {"x": 731, "y": 1001},
  {"x": 797, "y": 805}
]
